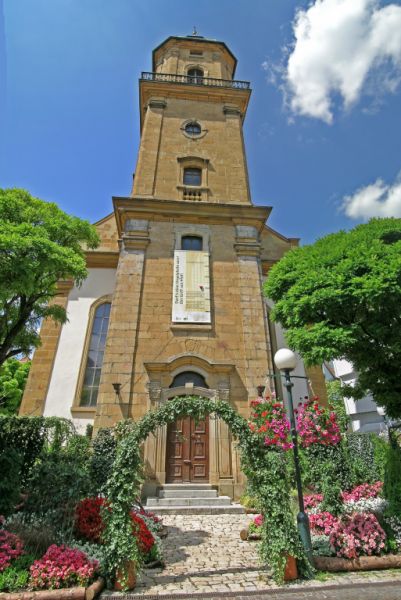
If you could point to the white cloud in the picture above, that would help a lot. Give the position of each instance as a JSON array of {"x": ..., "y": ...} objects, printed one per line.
[
  {"x": 341, "y": 48},
  {"x": 375, "y": 200}
]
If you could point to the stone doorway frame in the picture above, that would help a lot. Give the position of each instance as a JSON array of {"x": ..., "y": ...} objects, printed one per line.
[{"x": 224, "y": 464}]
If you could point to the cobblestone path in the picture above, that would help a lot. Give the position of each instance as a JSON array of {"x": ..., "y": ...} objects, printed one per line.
[{"x": 205, "y": 555}]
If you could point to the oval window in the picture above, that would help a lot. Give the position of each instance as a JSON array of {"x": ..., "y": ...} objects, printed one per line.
[{"x": 193, "y": 128}]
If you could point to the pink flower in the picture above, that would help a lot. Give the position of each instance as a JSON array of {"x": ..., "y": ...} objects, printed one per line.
[
  {"x": 357, "y": 534},
  {"x": 62, "y": 567},
  {"x": 365, "y": 490}
]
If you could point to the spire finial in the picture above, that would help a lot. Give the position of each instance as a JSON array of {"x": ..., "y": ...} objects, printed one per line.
[{"x": 194, "y": 32}]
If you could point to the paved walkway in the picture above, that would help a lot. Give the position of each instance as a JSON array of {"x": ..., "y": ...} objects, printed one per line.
[{"x": 205, "y": 557}]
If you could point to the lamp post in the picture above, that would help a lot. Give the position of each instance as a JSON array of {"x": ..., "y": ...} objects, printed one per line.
[{"x": 286, "y": 361}]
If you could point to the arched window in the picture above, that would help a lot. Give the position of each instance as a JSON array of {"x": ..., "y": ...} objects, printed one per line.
[
  {"x": 192, "y": 176},
  {"x": 189, "y": 377},
  {"x": 93, "y": 368},
  {"x": 195, "y": 75},
  {"x": 191, "y": 242}
]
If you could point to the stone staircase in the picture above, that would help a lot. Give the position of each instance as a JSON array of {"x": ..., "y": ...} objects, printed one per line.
[{"x": 191, "y": 498}]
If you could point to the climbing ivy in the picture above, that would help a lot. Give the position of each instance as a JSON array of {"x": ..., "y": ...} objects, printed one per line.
[{"x": 265, "y": 469}]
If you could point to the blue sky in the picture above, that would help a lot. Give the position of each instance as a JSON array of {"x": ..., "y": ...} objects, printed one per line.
[{"x": 324, "y": 122}]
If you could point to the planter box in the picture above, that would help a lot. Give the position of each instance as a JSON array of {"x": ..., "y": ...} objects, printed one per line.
[
  {"x": 363, "y": 563},
  {"x": 76, "y": 593}
]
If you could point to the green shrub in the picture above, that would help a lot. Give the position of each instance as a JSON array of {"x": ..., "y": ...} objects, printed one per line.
[
  {"x": 368, "y": 456},
  {"x": 321, "y": 546},
  {"x": 380, "y": 454},
  {"x": 59, "y": 479},
  {"x": 10, "y": 468},
  {"x": 392, "y": 481},
  {"x": 26, "y": 435},
  {"x": 12, "y": 579},
  {"x": 103, "y": 455},
  {"x": 324, "y": 465}
]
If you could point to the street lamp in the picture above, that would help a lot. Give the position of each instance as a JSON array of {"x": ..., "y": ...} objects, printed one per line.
[{"x": 286, "y": 361}]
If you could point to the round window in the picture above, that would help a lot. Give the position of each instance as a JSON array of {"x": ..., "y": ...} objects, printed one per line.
[{"x": 193, "y": 128}]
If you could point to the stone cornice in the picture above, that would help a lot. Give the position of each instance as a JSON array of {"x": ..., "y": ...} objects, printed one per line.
[
  {"x": 222, "y": 95},
  {"x": 102, "y": 260},
  {"x": 188, "y": 212},
  {"x": 64, "y": 286}
]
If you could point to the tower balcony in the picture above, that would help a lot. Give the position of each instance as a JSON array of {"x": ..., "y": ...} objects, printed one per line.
[{"x": 195, "y": 80}]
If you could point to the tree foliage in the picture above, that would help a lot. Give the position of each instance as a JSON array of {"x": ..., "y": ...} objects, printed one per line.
[
  {"x": 340, "y": 298},
  {"x": 13, "y": 376},
  {"x": 39, "y": 245}
]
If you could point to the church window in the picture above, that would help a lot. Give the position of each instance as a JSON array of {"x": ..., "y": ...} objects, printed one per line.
[
  {"x": 192, "y": 176},
  {"x": 193, "y": 128},
  {"x": 188, "y": 377},
  {"x": 191, "y": 242},
  {"x": 93, "y": 368},
  {"x": 195, "y": 75}
]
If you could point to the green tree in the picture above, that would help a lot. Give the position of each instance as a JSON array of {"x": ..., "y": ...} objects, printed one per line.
[
  {"x": 39, "y": 245},
  {"x": 13, "y": 376},
  {"x": 335, "y": 397},
  {"x": 340, "y": 298}
]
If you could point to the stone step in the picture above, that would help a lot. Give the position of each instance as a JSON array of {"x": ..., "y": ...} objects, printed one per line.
[
  {"x": 218, "y": 501},
  {"x": 187, "y": 486},
  {"x": 198, "y": 510},
  {"x": 187, "y": 493}
]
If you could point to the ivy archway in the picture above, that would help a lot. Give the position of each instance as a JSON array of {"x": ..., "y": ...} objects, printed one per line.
[{"x": 266, "y": 470}]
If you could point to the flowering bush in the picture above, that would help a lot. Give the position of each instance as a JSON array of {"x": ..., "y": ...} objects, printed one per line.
[
  {"x": 255, "y": 524},
  {"x": 366, "y": 505},
  {"x": 316, "y": 424},
  {"x": 313, "y": 501},
  {"x": 322, "y": 523},
  {"x": 154, "y": 523},
  {"x": 270, "y": 423},
  {"x": 357, "y": 534},
  {"x": 93, "y": 552},
  {"x": 11, "y": 547},
  {"x": 88, "y": 519},
  {"x": 365, "y": 490},
  {"x": 144, "y": 536},
  {"x": 89, "y": 524},
  {"x": 258, "y": 520},
  {"x": 62, "y": 567}
]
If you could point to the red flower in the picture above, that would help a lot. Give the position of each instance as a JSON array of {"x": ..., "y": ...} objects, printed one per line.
[{"x": 88, "y": 519}]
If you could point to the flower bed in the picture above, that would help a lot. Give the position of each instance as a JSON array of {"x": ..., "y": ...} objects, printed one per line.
[
  {"x": 353, "y": 536},
  {"x": 71, "y": 567}
]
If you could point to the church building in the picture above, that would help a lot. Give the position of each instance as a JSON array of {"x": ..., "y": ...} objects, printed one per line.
[{"x": 173, "y": 301}]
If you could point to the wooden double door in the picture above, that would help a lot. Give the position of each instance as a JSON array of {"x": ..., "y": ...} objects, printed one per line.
[{"x": 187, "y": 456}]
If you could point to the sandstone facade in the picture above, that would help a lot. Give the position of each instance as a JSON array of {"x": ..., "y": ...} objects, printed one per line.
[{"x": 146, "y": 349}]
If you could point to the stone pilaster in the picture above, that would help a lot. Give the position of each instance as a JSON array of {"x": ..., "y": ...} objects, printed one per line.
[
  {"x": 121, "y": 341},
  {"x": 146, "y": 171},
  {"x": 33, "y": 401},
  {"x": 257, "y": 354}
]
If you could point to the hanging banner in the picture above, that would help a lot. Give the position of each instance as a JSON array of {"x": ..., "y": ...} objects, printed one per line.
[{"x": 191, "y": 287}]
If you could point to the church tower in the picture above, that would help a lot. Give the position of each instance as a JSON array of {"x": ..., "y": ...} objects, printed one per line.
[
  {"x": 187, "y": 312},
  {"x": 173, "y": 302}
]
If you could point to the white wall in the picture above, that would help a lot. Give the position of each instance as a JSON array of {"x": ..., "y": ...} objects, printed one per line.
[
  {"x": 300, "y": 389},
  {"x": 60, "y": 396},
  {"x": 363, "y": 413}
]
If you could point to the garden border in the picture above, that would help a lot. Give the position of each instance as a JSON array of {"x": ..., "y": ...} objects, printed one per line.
[{"x": 75, "y": 593}]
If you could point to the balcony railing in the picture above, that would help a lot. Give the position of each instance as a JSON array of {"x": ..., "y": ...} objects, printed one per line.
[{"x": 195, "y": 80}]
